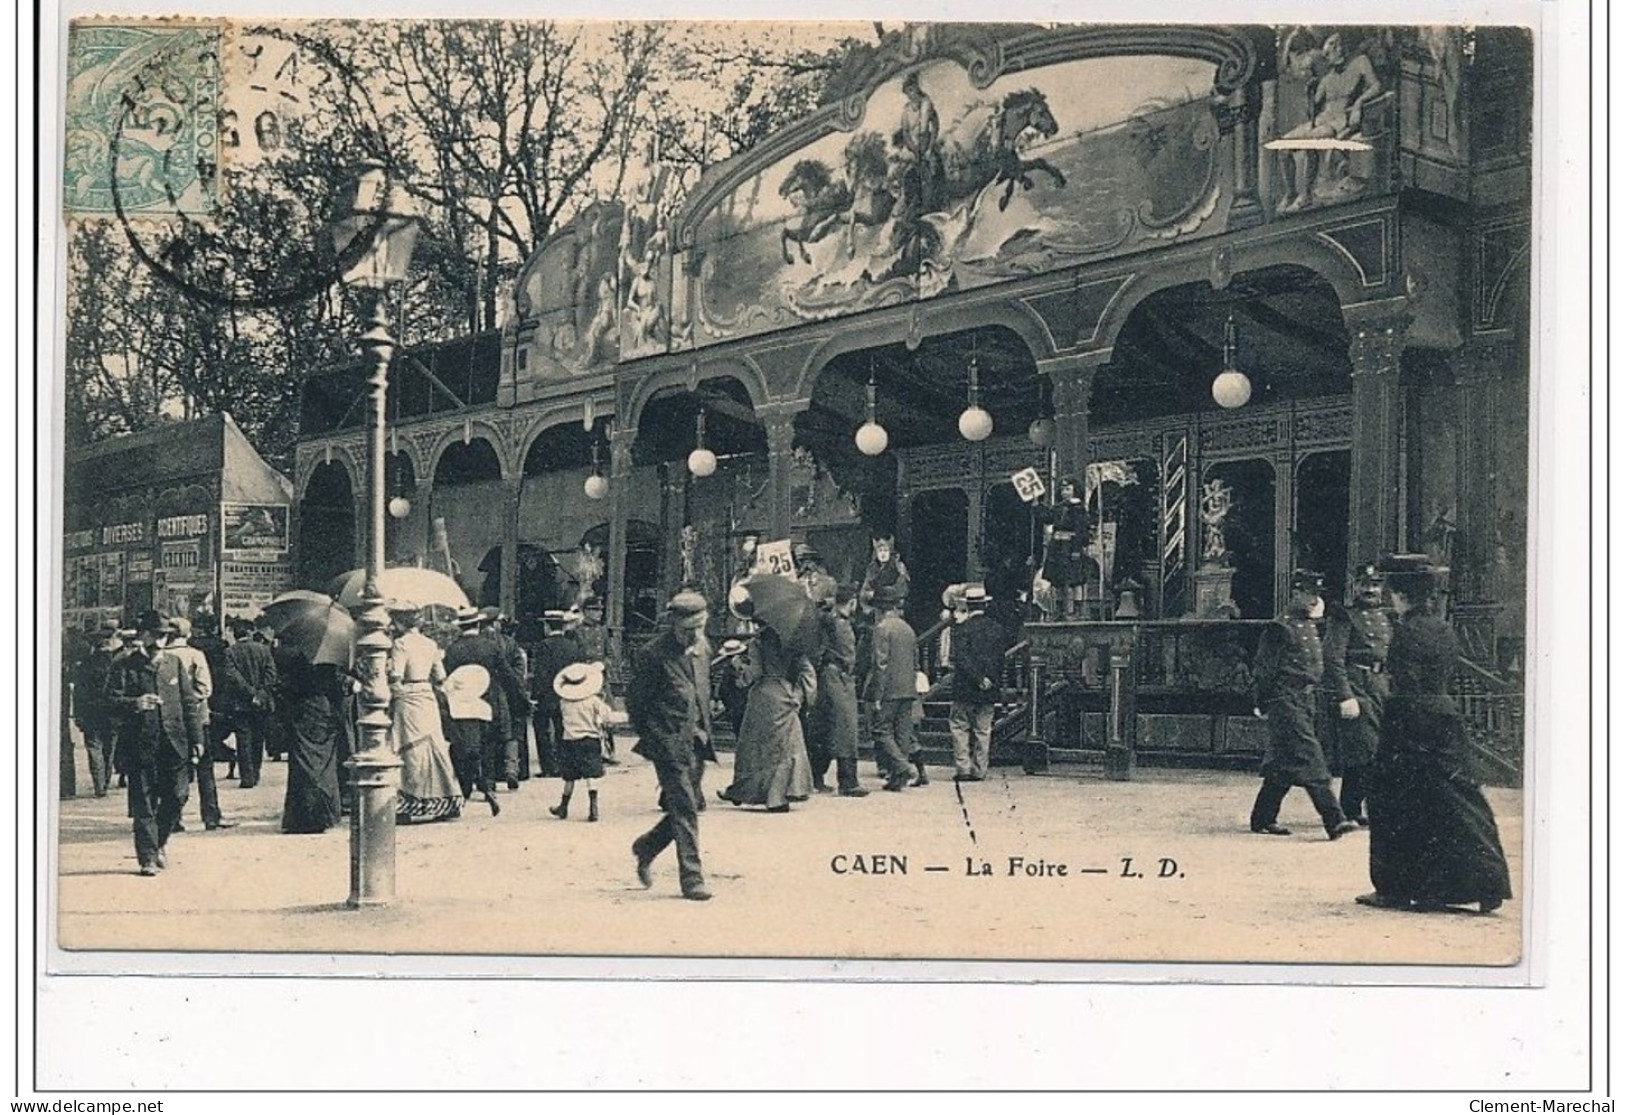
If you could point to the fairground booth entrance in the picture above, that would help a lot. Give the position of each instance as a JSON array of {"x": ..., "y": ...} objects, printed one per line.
[{"x": 1260, "y": 294}]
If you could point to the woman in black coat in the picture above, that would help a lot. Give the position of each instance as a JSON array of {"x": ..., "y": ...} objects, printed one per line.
[{"x": 1434, "y": 842}]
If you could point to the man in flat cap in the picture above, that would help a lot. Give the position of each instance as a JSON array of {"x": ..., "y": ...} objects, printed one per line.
[
  {"x": 667, "y": 708},
  {"x": 154, "y": 751},
  {"x": 1286, "y": 674}
]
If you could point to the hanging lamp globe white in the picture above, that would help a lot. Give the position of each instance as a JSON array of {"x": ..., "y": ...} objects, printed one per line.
[
  {"x": 595, "y": 486},
  {"x": 975, "y": 424},
  {"x": 702, "y": 462},
  {"x": 1232, "y": 389},
  {"x": 1041, "y": 432},
  {"x": 400, "y": 507},
  {"x": 872, "y": 439}
]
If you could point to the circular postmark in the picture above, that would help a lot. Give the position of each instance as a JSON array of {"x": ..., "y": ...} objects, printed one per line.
[{"x": 242, "y": 211}]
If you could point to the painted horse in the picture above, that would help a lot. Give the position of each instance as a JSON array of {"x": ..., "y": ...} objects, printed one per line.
[
  {"x": 819, "y": 201},
  {"x": 993, "y": 154}
]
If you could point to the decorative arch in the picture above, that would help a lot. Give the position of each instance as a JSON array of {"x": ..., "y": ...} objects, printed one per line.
[
  {"x": 1309, "y": 251},
  {"x": 739, "y": 367},
  {"x": 480, "y": 429},
  {"x": 343, "y": 455},
  {"x": 936, "y": 320},
  {"x": 553, "y": 417}
]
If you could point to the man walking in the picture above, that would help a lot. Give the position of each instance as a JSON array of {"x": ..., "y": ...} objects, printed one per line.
[
  {"x": 91, "y": 710},
  {"x": 478, "y": 645},
  {"x": 664, "y": 705},
  {"x": 835, "y": 710},
  {"x": 892, "y": 694},
  {"x": 978, "y": 665},
  {"x": 1357, "y": 639},
  {"x": 1286, "y": 675},
  {"x": 250, "y": 688},
  {"x": 154, "y": 752},
  {"x": 195, "y": 685}
]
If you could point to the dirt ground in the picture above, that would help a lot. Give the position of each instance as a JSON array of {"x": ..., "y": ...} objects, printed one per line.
[{"x": 1161, "y": 868}]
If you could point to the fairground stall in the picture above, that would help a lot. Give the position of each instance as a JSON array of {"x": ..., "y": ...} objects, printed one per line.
[{"x": 1260, "y": 294}]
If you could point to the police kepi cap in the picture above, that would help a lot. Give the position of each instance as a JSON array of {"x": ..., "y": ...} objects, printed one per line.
[
  {"x": 1308, "y": 580},
  {"x": 688, "y": 609}
]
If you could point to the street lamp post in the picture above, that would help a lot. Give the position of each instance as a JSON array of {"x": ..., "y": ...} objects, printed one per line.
[{"x": 385, "y": 215}]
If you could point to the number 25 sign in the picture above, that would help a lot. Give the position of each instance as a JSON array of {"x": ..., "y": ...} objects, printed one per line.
[
  {"x": 775, "y": 557},
  {"x": 1029, "y": 485}
]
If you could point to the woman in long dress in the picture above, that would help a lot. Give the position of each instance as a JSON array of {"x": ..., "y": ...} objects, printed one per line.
[
  {"x": 305, "y": 700},
  {"x": 1434, "y": 842},
  {"x": 770, "y": 764},
  {"x": 429, "y": 789}
]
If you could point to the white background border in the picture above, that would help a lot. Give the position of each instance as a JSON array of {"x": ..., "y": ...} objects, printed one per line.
[{"x": 196, "y": 1033}]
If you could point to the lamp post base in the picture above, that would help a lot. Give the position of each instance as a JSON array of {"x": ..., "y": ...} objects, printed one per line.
[{"x": 372, "y": 828}]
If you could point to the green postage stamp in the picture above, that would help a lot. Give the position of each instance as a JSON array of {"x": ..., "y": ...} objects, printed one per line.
[{"x": 142, "y": 128}]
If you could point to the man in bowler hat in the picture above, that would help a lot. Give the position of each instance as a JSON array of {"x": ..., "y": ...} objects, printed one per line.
[
  {"x": 154, "y": 750},
  {"x": 666, "y": 708},
  {"x": 1286, "y": 674}
]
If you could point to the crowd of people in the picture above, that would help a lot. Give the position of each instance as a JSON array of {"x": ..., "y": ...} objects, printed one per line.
[{"x": 159, "y": 704}]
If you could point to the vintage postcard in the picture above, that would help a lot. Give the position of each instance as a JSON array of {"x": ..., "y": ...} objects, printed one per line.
[{"x": 872, "y": 491}]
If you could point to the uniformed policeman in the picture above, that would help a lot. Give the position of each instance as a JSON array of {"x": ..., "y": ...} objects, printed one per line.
[
  {"x": 1286, "y": 674},
  {"x": 1357, "y": 639}
]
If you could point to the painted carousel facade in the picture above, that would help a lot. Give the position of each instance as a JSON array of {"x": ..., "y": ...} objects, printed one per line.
[{"x": 1261, "y": 292}]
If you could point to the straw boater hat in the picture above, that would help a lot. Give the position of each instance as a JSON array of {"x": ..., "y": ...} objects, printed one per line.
[
  {"x": 466, "y": 687},
  {"x": 579, "y": 680},
  {"x": 468, "y": 617},
  {"x": 975, "y": 597},
  {"x": 730, "y": 648}
]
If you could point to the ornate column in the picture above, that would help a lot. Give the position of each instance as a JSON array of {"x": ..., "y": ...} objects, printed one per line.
[
  {"x": 508, "y": 592},
  {"x": 1377, "y": 338},
  {"x": 1071, "y": 380},
  {"x": 1286, "y": 502},
  {"x": 779, "y": 420},
  {"x": 1237, "y": 115},
  {"x": 620, "y": 500},
  {"x": 1475, "y": 368}
]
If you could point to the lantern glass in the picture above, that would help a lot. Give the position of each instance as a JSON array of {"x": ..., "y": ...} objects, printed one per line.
[
  {"x": 400, "y": 507},
  {"x": 702, "y": 462},
  {"x": 975, "y": 424},
  {"x": 596, "y": 487},
  {"x": 1232, "y": 389},
  {"x": 872, "y": 439},
  {"x": 1042, "y": 432}
]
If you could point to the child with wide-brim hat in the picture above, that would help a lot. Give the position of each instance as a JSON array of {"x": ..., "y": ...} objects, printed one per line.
[{"x": 587, "y": 721}]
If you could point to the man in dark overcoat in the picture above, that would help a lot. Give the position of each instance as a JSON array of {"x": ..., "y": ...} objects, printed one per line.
[
  {"x": 1286, "y": 676},
  {"x": 978, "y": 669},
  {"x": 835, "y": 711},
  {"x": 154, "y": 747},
  {"x": 478, "y": 644},
  {"x": 249, "y": 698},
  {"x": 665, "y": 707},
  {"x": 1357, "y": 640},
  {"x": 560, "y": 647},
  {"x": 91, "y": 710},
  {"x": 892, "y": 694}
]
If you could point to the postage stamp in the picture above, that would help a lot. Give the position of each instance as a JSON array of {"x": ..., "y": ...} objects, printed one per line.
[{"x": 142, "y": 134}]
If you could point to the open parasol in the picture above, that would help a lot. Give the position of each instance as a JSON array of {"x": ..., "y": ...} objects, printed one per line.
[
  {"x": 314, "y": 626},
  {"x": 404, "y": 585},
  {"x": 779, "y": 603}
]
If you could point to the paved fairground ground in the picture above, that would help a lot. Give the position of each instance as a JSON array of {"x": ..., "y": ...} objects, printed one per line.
[{"x": 1160, "y": 868}]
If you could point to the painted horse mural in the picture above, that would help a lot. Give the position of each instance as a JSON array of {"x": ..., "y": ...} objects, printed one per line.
[{"x": 918, "y": 173}]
